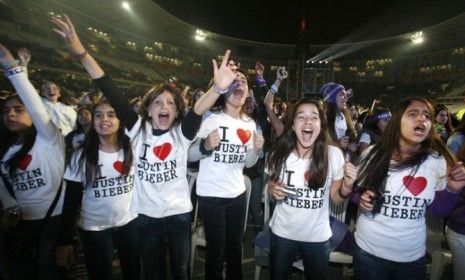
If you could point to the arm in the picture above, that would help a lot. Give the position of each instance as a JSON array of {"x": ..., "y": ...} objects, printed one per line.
[
  {"x": 116, "y": 98},
  {"x": 29, "y": 96},
  {"x": 223, "y": 77},
  {"x": 252, "y": 155},
  {"x": 275, "y": 121},
  {"x": 7, "y": 200},
  {"x": 71, "y": 204}
]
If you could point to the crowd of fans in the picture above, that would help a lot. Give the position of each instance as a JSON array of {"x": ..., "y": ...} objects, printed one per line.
[{"x": 112, "y": 161}]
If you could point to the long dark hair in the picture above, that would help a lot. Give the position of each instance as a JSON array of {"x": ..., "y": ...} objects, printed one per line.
[
  {"x": 9, "y": 138},
  {"x": 375, "y": 165},
  {"x": 90, "y": 151},
  {"x": 331, "y": 112},
  {"x": 287, "y": 142},
  {"x": 151, "y": 95}
]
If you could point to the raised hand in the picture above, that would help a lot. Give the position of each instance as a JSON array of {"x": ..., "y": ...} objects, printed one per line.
[
  {"x": 223, "y": 76},
  {"x": 66, "y": 30},
  {"x": 212, "y": 141},
  {"x": 281, "y": 74},
  {"x": 259, "y": 69},
  {"x": 24, "y": 57}
]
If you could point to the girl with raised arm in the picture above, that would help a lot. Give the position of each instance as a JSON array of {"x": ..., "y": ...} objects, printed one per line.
[
  {"x": 160, "y": 136},
  {"x": 32, "y": 164}
]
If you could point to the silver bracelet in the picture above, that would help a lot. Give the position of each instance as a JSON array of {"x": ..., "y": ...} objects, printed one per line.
[{"x": 219, "y": 91}]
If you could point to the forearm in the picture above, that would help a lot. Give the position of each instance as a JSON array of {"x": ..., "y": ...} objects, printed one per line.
[
  {"x": 71, "y": 204},
  {"x": 118, "y": 100},
  {"x": 206, "y": 101},
  {"x": 251, "y": 157},
  {"x": 5, "y": 196},
  {"x": 31, "y": 98},
  {"x": 194, "y": 151},
  {"x": 92, "y": 67}
]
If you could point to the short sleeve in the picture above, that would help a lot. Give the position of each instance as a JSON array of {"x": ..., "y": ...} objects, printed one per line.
[
  {"x": 441, "y": 174},
  {"x": 365, "y": 138},
  {"x": 73, "y": 172}
]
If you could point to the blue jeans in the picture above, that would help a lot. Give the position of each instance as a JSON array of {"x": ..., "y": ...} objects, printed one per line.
[
  {"x": 224, "y": 220},
  {"x": 155, "y": 233},
  {"x": 370, "y": 267},
  {"x": 98, "y": 251},
  {"x": 43, "y": 242},
  {"x": 315, "y": 256}
]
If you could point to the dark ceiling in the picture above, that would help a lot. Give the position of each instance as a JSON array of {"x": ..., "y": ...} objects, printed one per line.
[{"x": 327, "y": 21}]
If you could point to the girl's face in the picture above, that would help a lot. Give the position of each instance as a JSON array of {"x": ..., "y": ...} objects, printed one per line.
[
  {"x": 163, "y": 111},
  {"x": 442, "y": 117},
  {"x": 136, "y": 106},
  {"x": 249, "y": 105},
  {"x": 15, "y": 116},
  {"x": 306, "y": 125},
  {"x": 84, "y": 117},
  {"x": 341, "y": 100},
  {"x": 237, "y": 98},
  {"x": 381, "y": 124},
  {"x": 51, "y": 92},
  {"x": 105, "y": 121},
  {"x": 415, "y": 124}
]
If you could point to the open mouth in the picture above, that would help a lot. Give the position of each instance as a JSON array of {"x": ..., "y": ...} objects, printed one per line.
[
  {"x": 307, "y": 134},
  {"x": 164, "y": 118},
  {"x": 420, "y": 130}
]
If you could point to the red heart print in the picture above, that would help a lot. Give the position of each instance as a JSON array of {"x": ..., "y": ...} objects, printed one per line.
[
  {"x": 162, "y": 151},
  {"x": 244, "y": 135},
  {"x": 25, "y": 161},
  {"x": 118, "y": 166},
  {"x": 307, "y": 176},
  {"x": 415, "y": 185}
]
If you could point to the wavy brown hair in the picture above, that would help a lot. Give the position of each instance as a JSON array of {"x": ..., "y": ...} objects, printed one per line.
[{"x": 287, "y": 142}]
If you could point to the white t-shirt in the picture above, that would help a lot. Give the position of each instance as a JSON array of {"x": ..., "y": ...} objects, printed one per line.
[
  {"x": 106, "y": 203},
  {"x": 365, "y": 138},
  {"x": 38, "y": 177},
  {"x": 63, "y": 116},
  {"x": 160, "y": 172},
  {"x": 340, "y": 125},
  {"x": 398, "y": 232},
  {"x": 221, "y": 173},
  {"x": 306, "y": 218}
]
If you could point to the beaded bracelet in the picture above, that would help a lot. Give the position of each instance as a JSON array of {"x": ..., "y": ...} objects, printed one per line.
[
  {"x": 220, "y": 91},
  {"x": 80, "y": 56}
]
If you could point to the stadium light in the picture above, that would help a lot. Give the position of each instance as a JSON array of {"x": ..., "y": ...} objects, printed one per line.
[
  {"x": 200, "y": 35},
  {"x": 417, "y": 38},
  {"x": 125, "y": 5}
]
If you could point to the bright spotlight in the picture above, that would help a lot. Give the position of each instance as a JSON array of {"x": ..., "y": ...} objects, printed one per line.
[
  {"x": 200, "y": 35},
  {"x": 320, "y": 61},
  {"x": 417, "y": 38},
  {"x": 326, "y": 61},
  {"x": 125, "y": 5}
]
